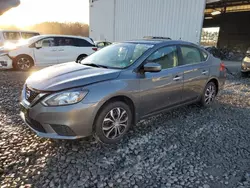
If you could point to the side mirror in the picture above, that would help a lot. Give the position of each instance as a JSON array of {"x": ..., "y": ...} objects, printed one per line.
[
  {"x": 38, "y": 45},
  {"x": 152, "y": 67}
]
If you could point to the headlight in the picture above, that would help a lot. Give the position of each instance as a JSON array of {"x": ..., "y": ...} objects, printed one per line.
[{"x": 65, "y": 98}]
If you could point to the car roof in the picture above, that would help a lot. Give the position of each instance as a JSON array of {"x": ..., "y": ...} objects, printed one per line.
[
  {"x": 160, "y": 41},
  {"x": 71, "y": 36},
  {"x": 54, "y": 35}
]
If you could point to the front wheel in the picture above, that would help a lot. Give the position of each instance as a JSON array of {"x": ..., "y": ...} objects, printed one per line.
[
  {"x": 23, "y": 63},
  {"x": 113, "y": 122},
  {"x": 209, "y": 94},
  {"x": 80, "y": 58}
]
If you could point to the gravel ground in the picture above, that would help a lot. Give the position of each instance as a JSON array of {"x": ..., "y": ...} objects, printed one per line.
[{"x": 187, "y": 147}]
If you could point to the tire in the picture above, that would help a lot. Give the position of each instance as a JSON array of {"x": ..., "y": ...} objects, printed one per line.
[
  {"x": 209, "y": 94},
  {"x": 80, "y": 58},
  {"x": 244, "y": 74},
  {"x": 23, "y": 63},
  {"x": 107, "y": 129}
]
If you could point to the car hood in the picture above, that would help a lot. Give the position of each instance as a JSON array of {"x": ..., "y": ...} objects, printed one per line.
[{"x": 69, "y": 75}]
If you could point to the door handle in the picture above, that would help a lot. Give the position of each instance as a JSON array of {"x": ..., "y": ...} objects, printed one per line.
[
  {"x": 204, "y": 72},
  {"x": 61, "y": 50},
  {"x": 53, "y": 50},
  {"x": 177, "y": 78}
]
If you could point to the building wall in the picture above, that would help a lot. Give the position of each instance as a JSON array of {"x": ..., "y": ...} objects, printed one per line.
[
  {"x": 101, "y": 23},
  {"x": 118, "y": 20}
]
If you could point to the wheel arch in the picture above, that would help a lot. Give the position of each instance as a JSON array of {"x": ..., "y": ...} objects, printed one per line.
[
  {"x": 122, "y": 98},
  {"x": 216, "y": 82},
  {"x": 18, "y": 56},
  {"x": 81, "y": 55}
]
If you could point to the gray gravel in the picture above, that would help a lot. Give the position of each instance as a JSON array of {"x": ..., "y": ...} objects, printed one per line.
[{"x": 187, "y": 147}]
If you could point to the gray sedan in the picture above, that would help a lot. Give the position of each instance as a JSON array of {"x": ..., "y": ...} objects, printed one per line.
[{"x": 112, "y": 89}]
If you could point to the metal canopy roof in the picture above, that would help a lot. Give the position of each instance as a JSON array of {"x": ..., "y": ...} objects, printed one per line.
[
  {"x": 226, "y": 3},
  {"x": 227, "y": 6}
]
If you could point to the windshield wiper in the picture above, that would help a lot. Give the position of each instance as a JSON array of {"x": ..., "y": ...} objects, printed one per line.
[{"x": 95, "y": 65}]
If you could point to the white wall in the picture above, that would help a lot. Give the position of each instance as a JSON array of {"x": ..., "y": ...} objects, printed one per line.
[
  {"x": 119, "y": 20},
  {"x": 101, "y": 21}
]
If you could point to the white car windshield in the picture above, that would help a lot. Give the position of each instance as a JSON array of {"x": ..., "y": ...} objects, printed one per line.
[{"x": 119, "y": 55}]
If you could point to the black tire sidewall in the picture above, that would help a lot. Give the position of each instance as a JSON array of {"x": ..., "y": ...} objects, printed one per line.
[
  {"x": 203, "y": 103},
  {"x": 244, "y": 74},
  {"x": 17, "y": 59},
  {"x": 98, "y": 124},
  {"x": 80, "y": 58}
]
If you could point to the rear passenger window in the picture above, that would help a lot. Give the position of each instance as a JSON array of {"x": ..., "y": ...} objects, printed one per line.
[
  {"x": 191, "y": 55},
  {"x": 65, "y": 41},
  {"x": 82, "y": 43}
]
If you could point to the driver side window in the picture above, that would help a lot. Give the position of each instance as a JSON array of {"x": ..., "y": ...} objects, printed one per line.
[
  {"x": 167, "y": 57},
  {"x": 48, "y": 42}
]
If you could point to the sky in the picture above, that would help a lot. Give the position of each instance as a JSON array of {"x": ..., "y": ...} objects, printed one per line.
[
  {"x": 212, "y": 29},
  {"x": 31, "y": 12}
]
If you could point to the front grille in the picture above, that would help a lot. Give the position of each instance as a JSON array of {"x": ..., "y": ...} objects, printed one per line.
[
  {"x": 35, "y": 125},
  {"x": 30, "y": 95},
  {"x": 3, "y": 63}
]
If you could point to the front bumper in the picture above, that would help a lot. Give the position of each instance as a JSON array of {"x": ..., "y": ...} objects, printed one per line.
[
  {"x": 5, "y": 62},
  {"x": 245, "y": 69},
  {"x": 64, "y": 122}
]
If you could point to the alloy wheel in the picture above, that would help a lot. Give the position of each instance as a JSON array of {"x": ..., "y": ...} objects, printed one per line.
[
  {"x": 115, "y": 123},
  {"x": 23, "y": 63},
  {"x": 210, "y": 94}
]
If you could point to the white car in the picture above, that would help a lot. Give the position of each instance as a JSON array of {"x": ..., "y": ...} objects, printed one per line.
[
  {"x": 45, "y": 50},
  {"x": 11, "y": 36}
]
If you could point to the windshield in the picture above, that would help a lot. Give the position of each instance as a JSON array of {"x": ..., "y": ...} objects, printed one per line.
[{"x": 119, "y": 55}]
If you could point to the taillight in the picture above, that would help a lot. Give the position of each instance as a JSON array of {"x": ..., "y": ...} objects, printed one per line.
[
  {"x": 95, "y": 49},
  {"x": 222, "y": 67}
]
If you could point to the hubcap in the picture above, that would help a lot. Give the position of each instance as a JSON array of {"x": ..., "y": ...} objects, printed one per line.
[
  {"x": 115, "y": 123},
  {"x": 210, "y": 94},
  {"x": 23, "y": 63}
]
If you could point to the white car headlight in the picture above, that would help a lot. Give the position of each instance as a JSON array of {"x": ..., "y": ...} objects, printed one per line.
[{"x": 65, "y": 98}]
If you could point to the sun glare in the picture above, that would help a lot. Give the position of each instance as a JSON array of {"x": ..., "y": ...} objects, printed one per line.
[{"x": 31, "y": 12}]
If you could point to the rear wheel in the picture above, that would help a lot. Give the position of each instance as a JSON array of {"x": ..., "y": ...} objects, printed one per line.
[
  {"x": 23, "y": 63},
  {"x": 113, "y": 122},
  {"x": 209, "y": 94}
]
